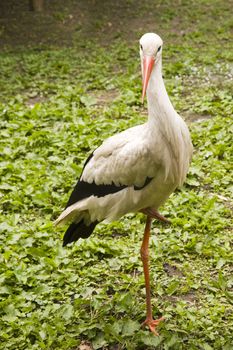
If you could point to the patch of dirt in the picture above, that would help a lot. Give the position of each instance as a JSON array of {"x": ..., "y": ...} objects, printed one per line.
[
  {"x": 172, "y": 270},
  {"x": 142, "y": 110},
  {"x": 194, "y": 117},
  {"x": 189, "y": 297},
  {"x": 104, "y": 97},
  {"x": 85, "y": 345},
  {"x": 64, "y": 23},
  {"x": 33, "y": 100},
  {"x": 71, "y": 22},
  {"x": 135, "y": 273}
]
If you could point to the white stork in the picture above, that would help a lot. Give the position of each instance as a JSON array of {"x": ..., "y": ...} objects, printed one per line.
[{"x": 135, "y": 170}]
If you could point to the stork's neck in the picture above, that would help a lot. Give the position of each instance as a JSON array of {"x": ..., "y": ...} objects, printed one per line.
[
  {"x": 160, "y": 110},
  {"x": 171, "y": 130}
]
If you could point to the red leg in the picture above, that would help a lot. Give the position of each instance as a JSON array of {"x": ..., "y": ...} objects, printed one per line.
[
  {"x": 150, "y": 322},
  {"x": 155, "y": 214}
]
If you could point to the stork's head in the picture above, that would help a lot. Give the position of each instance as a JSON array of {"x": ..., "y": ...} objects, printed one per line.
[{"x": 150, "y": 53}]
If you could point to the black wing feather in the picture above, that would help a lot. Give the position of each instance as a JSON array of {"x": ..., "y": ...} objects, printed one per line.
[
  {"x": 79, "y": 230},
  {"x": 85, "y": 189}
]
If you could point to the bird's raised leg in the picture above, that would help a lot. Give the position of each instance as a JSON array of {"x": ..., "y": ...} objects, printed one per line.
[
  {"x": 155, "y": 214},
  {"x": 150, "y": 322}
]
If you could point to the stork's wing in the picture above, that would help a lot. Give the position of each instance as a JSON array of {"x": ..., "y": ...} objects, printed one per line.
[{"x": 124, "y": 160}]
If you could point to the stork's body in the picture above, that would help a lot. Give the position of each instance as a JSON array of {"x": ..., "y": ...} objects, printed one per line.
[{"x": 137, "y": 169}]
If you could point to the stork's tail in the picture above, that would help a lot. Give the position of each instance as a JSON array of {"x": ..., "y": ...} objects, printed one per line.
[{"x": 78, "y": 230}]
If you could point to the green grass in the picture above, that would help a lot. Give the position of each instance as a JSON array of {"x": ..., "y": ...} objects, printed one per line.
[{"x": 56, "y": 106}]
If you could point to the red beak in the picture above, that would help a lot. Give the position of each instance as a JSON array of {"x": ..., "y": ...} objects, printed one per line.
[{"x": 148, "y": 63}]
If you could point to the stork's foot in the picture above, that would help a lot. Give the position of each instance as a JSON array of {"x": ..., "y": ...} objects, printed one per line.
[{"x": 152, "y": 324}]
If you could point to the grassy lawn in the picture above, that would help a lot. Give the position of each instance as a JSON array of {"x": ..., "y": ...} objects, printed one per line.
[{"x": 59, "y": 103}]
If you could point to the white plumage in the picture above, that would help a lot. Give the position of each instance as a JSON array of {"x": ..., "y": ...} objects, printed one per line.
[
  {"x": 135, "y": 170},
  {"x": 159, "y": 149}
]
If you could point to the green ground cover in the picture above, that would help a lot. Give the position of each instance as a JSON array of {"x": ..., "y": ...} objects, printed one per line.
[{"x": 57, "y": 104}]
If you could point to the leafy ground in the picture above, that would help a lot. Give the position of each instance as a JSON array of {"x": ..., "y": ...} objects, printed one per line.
[{"x": 57, "y": 104}]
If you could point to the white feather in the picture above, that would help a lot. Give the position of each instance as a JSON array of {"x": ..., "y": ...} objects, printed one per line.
[{"x": 160, "y": 149}]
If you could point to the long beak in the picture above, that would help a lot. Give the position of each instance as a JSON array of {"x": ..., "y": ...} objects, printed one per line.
[{"x": 148, "y": 63}]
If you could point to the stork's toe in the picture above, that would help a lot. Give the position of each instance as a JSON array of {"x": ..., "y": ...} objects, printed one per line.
[{"x": 152, "y": 324}]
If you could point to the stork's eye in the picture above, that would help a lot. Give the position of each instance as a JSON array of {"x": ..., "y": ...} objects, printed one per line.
[
  {"x": 159, "y": 48},
  {"x": 141, "y": 47}
]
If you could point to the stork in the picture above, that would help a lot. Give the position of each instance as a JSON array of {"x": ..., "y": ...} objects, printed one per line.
[{"x": 135, "y": 170}]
